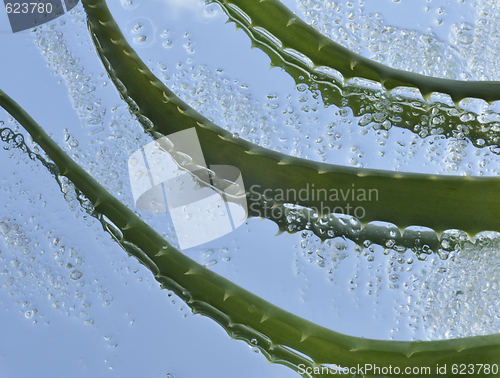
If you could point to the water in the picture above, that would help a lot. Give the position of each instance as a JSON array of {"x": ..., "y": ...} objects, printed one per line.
[{"x": 84, "y": 285}]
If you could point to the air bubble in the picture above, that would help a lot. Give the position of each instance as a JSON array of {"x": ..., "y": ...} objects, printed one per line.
[{"x": 76, "y": 274}]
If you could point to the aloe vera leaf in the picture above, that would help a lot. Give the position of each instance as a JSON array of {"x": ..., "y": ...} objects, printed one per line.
[
  {"x": 242, "y": 314},
  {"x": 400, "y": 111},
  {"x": 295, "y": 34},
  {"x": 404, "y": 199}
]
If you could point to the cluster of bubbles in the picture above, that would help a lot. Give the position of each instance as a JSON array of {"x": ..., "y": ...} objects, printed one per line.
[
  {"x": 109, "y": 134},
  {"x": 459, "y": 58},
  {"x": 470, "y": 53},
  {"x": 452, "y": 292},
  {"x": 298, "y": 123},
  {"x": 41, "y": 267},
  {"x": 57, "y": 279},
  {"x": 459, "y": 297}
]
